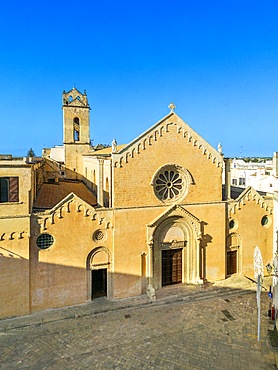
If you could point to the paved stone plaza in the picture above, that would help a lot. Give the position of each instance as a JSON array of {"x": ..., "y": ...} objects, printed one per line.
[{"x": 201, "y": 330}]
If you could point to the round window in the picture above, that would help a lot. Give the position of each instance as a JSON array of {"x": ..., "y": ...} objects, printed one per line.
[
  {"x": 45, "y": 241},
  {"x": 266, "y": 221},
  {"x": 171, "y": 183},
  {"x": 99, "y": 235},
  {"x": 232, "y": 224}
]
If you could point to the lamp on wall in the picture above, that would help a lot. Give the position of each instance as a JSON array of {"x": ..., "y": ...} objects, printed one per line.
[
  {"x": 272, "y": 269},
  {"x": 269, "y": 268}
]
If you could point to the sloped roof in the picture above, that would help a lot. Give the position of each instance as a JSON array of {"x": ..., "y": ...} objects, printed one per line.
[
  {"x": 51, "y": 194},
  {"x": 105, "y": 151}
]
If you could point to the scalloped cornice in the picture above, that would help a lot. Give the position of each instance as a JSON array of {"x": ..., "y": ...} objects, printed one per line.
[
  {"x": 72, "y": 203},
  {"x": 156, "y": 132},
  {"x": 247, "y": 195},
  {"x": 14, "y": 235}
]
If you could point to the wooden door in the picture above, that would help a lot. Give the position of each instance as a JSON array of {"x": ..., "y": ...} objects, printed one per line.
[
  {"x": 231, "y": 262},
  {"x": 171, "y": 266}
]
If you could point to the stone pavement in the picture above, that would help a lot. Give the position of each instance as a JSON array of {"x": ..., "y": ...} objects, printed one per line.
[{"x": 212, "y": 327}]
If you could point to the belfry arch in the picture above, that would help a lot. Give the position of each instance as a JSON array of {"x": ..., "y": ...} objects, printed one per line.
[
  {"x": 99, "y": 273},
  {"x": 174, "y": 249}
]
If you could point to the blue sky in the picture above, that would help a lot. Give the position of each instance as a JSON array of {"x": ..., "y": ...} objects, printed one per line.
[{"x": 216, "y": 60}]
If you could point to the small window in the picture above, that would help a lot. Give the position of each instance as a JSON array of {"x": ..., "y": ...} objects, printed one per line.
[
  {"x": 99, "y": 235},
  {"x": 76, "y": 135},
  {"x": 45, "y": 241},
  {"x": 9, "y": 189},
  {"x": 232, "y": 224},
  {"x": 76, "y": 129},
  {"x": 266, "y": 221},
  {"x": 234, "y": 181}
]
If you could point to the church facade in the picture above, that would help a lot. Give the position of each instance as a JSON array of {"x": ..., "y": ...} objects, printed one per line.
[{"x": 122, "y": 221}]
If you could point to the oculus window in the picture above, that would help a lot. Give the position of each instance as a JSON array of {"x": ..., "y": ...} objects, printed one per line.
[
  {"x": 45, "y": 241},
  {"x": 266, "y": 221},
  {"x": 171, "y": 183}
]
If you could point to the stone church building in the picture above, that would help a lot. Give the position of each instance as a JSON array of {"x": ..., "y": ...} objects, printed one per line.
[{"x": 84, "y": 222}]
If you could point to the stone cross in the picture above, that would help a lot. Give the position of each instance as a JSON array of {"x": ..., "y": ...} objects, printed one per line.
[{"x": 171, "y": 106}]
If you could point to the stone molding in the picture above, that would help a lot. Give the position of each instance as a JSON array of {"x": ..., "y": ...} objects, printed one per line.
[
  {"x": 249, "y": 194},
  {"x": 14, "y": 235},
  {"x": 177, "y": 210},
  {"x": 73, "y": 203},
  {"x": 157, "y": 131}
]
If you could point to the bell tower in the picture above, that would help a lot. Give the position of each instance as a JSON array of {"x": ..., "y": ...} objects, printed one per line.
[{"x": 76, "y": 122}]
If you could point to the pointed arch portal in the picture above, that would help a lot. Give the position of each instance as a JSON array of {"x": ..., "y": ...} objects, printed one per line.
[{"x": 174, "y": 248}]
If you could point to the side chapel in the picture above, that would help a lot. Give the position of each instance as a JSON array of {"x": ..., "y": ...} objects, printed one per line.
[{"x": 84, "y": 222}]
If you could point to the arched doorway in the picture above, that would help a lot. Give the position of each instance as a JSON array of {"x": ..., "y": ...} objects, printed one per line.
[
  {"x": 98, "y": 273},
  {"x": 170, "y": 253},
  {"x": 174, "y": 242}
]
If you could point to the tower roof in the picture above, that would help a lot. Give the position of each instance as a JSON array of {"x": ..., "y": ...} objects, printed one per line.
[{"x": 75, "y": 98}]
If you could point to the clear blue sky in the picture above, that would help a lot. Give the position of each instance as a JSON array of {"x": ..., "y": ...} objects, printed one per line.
[{"x": 216, "y": 60}]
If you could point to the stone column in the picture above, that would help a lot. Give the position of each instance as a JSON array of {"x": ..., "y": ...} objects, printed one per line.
[
  {"x": 150, "y": 289},
  {"x": 100, "y": 182},
  {"x": 198, "y": 257},
  {"x": 227, "y": 178}
]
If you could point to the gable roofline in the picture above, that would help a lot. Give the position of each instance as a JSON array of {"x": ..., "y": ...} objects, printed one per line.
[
  {"x": 175, "y": 210},
  {"x": 249, "y": 194},
  {"x": 74, "y": 88},
  {"x": 64, "y": 207},
  {"x": 149, "y": 130},
  {"x": 158, "y": 130},
  {"x": 64, "y": 201}
]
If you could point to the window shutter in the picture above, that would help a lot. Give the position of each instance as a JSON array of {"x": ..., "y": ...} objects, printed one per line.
[{"x": 13, "y": 190}]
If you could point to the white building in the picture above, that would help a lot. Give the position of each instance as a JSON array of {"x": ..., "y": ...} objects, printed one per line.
[{"x": 261, "y": 175}]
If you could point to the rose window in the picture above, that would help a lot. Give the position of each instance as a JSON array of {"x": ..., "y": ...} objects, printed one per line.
[
  {"x": 168, "y": 185},
  {"x": 99, "y": 235},
  {"x": 171, "y": 183}
]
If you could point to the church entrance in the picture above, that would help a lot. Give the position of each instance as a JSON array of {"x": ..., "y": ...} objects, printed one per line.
[
  {"x": 99, "y": 277},
  {"x": 99, "y": 283},
  {"x": 171, "y": 266},
  {"x": 231, "y": 262}
]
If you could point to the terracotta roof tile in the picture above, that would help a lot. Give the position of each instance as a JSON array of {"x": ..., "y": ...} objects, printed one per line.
[{"x": 51, "y": 194}]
